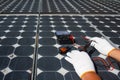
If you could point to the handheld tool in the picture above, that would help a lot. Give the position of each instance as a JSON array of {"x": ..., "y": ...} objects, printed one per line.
[
  {"x": 64, "y": 37},
  {"x": 63, "y": 50}
]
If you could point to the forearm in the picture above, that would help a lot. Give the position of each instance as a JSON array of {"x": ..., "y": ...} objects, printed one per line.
[
  {"x": 90, "y": 76},
  {"x": 115, "y": 53}
]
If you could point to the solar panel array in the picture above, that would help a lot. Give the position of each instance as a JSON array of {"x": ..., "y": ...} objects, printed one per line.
[
  {"x": 60, "y": 6},
  {"x": 28, "y": 44}
]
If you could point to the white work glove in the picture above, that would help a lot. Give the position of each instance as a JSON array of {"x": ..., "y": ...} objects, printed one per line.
[
  {"x": 102, "y": 45},
  {"x": 81, "y": 62}
]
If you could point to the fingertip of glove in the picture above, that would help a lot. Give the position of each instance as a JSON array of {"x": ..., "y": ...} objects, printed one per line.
[
  {"x": 87, "y": 37},
  {"x": 93, "y": 43},
  {"x": 75, "y": 51},
  {"x": 68, "y": 59},
  {"x": 95, "y": 38},
  {"x": 68, "y": 53}
]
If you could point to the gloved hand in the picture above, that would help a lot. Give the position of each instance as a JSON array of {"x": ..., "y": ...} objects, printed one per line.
[
  {"x": 81, "y": 62},
  {"x": 102, "y": 45}
]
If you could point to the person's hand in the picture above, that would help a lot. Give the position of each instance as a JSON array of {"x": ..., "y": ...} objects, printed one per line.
[
  {"x": 81, "y": 62},
  {"x": 102, "y": 45}
]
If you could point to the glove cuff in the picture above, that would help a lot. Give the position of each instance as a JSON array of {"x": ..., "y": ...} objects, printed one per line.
[
  {"x": 86, "y": 73},
  {"x": 85, "y": 70},
  {"x": 106, "y": 51},
  {"x": 111, "y": 51}
]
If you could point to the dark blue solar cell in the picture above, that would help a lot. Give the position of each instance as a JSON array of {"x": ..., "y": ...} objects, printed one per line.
[
  {"x": 115, "y": 40},
  {"x": 71, "y": 76},
  {"x": 48, "y": 51},
  {"x": 72, "y": 23},
  {"x": 46, "y": 22},
  {"x": 111, "y": 24},
  {"x": 4, "y": 61},
  {"x": 57, "y": 22},
  {"x": 119, "y": 74},
  {"x": 46, "y": 28},
  {"x": 97, "y": 23},
  {"x": 8, "y": 41},
  {"x": 60, "y": 28},
  {"x": 1, "y": 76},
  {"x": 115, "y": 28},
  {"x": 6, "y": 50},
  {"x": 21, "y": 63},
  {"x": 88, "y": 28},
  {"x": 28, "y": 34},
  {"x": 24, "y": 51},
  {"x": 1, "y": 17},
  {"x": 12, "y": 34},
  {"x": 3, "y": 28},
  {"x": 111, "y": 34},
  {"x": 50, "y": 76},
  {"x": 69, "y": 21},
  {"x": 2, "y": 34},
  {"x": 80, "y": 21},
  {"x": 29, "y": 28},
  {"x": 78, "y": 34},
  {"x": 74, "y": 28},
  {"x": 46, "y": 34},
  {"x": 108, "y": 76},
  {"x": 18, "y": 75},
  {"x": 18, "y": 23},
  {"x": 67, "y": 65},
  {"x": 80, "y": 41},
  {"x": 30, "y": 23},
  {"x": 57, "y": 19},
  {"x": 84, "y": 24},
  {"x": 93, "y": 34},
  {"x": 104, "y": 28},
  {"x": 15, "y": 28},
  {"x": 20, "y": 18},
  {"x": 26, "y": 41},
  {"x": 9, "y": 19},
  {"x": 47, "y": 41},
  {"x": 32, "y": 17},
  {"x": 99, "y": 64},
  {"x": 118, "y": 33},
  {"x": 115, "y": 63},
  {"x": 49, "y": 64}
]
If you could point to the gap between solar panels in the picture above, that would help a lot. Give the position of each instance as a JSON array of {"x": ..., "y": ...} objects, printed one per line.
[
  {"x": 48, "y": 14},
  {"x": 35, "y": 56}
]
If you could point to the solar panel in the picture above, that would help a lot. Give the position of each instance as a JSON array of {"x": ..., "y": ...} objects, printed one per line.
[
  {"x": 17, "y": 47},
  {"x": 29, "y": 46},
  {"x": 53, "y": 63}
]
